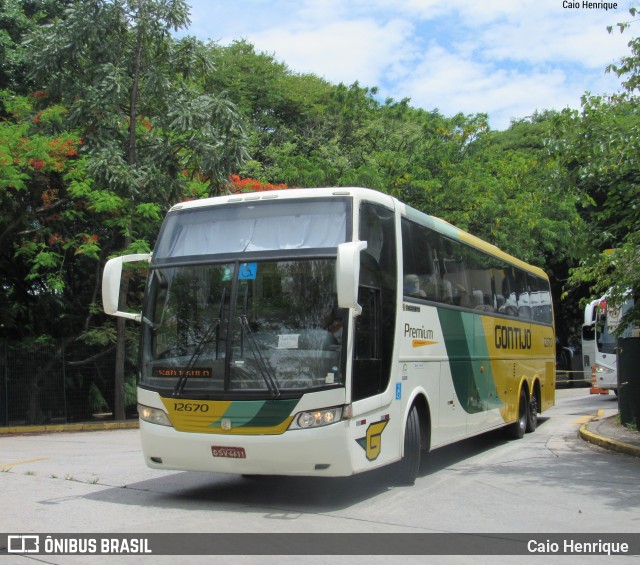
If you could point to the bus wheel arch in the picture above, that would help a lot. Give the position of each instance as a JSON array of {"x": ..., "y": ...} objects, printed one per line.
[{"x": 421, "y": 404}]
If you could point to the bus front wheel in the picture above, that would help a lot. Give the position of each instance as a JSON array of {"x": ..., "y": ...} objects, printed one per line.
[{"x": 410, "y": 463}]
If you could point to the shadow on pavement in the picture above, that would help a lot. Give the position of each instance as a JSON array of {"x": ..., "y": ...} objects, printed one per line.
[{"x": 201, "y": 491}]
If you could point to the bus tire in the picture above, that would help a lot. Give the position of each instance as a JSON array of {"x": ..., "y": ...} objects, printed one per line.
[
  {"x": 410, "y": 464},
  {"x": 532, "y": 414},
  {"x": 518, "y": 428}
]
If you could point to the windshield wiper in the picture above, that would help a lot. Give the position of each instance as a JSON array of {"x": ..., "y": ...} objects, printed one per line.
[
  {"x": 197, "y": 352},
  {"x": 263, "y": 366}
]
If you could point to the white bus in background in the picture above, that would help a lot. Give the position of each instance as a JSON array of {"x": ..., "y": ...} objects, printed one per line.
[
  {"x": 605, "y": 343},
  {"x": 589, "y": 339},
  {"x": 326, "y": 332}
]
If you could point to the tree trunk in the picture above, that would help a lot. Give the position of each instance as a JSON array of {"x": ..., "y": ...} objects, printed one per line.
[
  {"x": 121, "y": 339},
  {"x": 119, "y": 409},
  {"x": 121, "y": 356}
]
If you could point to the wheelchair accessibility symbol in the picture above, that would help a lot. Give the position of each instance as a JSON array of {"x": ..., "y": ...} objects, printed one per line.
[{"x": 247, "y": 271}]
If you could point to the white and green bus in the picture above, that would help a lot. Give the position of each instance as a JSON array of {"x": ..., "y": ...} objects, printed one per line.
[
  {"x": 589, "y": 339},
  {"x": 327, "y": 332},
  {"x": 605, "y": 325}
]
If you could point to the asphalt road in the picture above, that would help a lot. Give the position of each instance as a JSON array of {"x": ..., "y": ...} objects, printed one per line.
[{"x": 549, "y": 482}]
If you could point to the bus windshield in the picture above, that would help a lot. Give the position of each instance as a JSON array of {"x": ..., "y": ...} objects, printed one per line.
[
  {"x": 606, "y": 341},
  {"x": 254, "y": 228},
  {"x": 266, "y": 327}
]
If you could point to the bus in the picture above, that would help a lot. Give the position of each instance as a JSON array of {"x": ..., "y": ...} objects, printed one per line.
[
  {"x": 604, "y": 375},
  {"x": 328, "y": 332},
  {"x": 589, "y": 339}
]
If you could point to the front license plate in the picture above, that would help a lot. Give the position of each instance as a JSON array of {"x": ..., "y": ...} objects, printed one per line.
[{"x": 233, "y": 452}]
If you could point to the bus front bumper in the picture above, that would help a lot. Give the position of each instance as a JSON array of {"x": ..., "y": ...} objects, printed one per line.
[{"x": 322, "y": 451}]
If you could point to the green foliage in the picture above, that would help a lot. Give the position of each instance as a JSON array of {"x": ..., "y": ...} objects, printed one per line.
[
  {"x": 97, "y": 403},
  {"x": 519, "y": 205},
  {"x": 600, "y": 150},
  {"x": 110, "y": 83},
  {"x": 37, "y": 242},
  {"x": 107, "y": 121},
  {"x": 130, "y": 392},
  {"x": 616, "y": 272},
  {"x": 103, "y": 336},
  {"x": 17, "y": 19},
  {"x": 628, "y": 66}
]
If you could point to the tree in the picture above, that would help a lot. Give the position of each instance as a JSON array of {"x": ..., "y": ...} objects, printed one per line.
[
  {"x": 40, "y": 229},
  {"x": 151, "y": 135},
  {"x": 47, "y": 249},
  {"x": 17, "y": 19},
  {"x": 238, "y": 185},
  {"x": 153, "y": 120},
  {"x": 600, "y": 146}
]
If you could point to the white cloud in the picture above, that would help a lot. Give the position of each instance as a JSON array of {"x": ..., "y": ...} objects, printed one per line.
[
  {"x": 341, "y": 51},
  {"x": 453, "y": 83},
  {"x": 503, "y": 57},
  {"x": 553, "y": 39}
]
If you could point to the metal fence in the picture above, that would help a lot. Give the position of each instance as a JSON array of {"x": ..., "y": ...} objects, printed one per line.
[
  {"x": 69, "y": 381},
  {"x": 56, "y": 383}
]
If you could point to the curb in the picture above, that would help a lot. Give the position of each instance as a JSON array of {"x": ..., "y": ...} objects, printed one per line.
[
  {"x": 608, "y": 443},
  {"x": 79, "y": 427}
]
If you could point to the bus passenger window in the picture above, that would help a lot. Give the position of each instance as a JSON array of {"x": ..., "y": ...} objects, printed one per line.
[{"x": 522, "y": 291}]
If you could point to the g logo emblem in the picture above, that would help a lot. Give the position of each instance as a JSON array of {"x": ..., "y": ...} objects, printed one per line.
[{"x": 372, "y": 442}]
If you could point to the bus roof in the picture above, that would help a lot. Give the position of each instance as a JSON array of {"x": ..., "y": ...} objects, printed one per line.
[
  {"x": 368, "y": 194},
  {"x": 360, "y": 193}
]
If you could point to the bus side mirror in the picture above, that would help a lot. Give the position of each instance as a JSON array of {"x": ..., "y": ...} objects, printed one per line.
[
  {"x": 348, "y": 274},
  {"x": 111, "y": 278}
]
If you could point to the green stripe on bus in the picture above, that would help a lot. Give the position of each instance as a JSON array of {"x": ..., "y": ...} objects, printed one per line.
[
  {"x": 469, "y": 361},
  {"x": 273, "y": 412},
  {"x": 257, "y": 413}
]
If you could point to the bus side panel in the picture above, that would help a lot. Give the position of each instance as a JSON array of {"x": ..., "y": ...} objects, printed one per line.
[
  {"x": 476, "y": 373},
  {"x": 451, "y": 416},
  {"x": 543, "y": 351},
  {"x": 520, "y": 351},
  {"x": 489, "y": 374},
  {"x": 423, "y": 344},
  {"x": 549, "y": 386}
]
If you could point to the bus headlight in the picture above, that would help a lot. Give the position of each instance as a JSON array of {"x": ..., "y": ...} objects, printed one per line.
[
  {"x": 603, "y": 370},
  {"x": 153, "y": 415},
  {"x": 316, "y": 418}
]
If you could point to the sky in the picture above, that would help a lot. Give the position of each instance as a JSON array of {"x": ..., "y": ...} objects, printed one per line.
[{"x": 505, "y": 58}]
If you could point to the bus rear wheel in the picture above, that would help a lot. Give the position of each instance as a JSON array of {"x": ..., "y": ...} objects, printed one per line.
[
  {"x": 410, "y": 464},
  {"x": 532, "y": 414},
  {"x": 518, "y": 428}
]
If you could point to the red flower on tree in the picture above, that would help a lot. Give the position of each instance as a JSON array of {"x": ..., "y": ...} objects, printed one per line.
[{"x": 239, "y": 185}]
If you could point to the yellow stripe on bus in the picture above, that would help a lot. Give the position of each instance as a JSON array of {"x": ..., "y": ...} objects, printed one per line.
[{"x": 422, "y": 342}]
